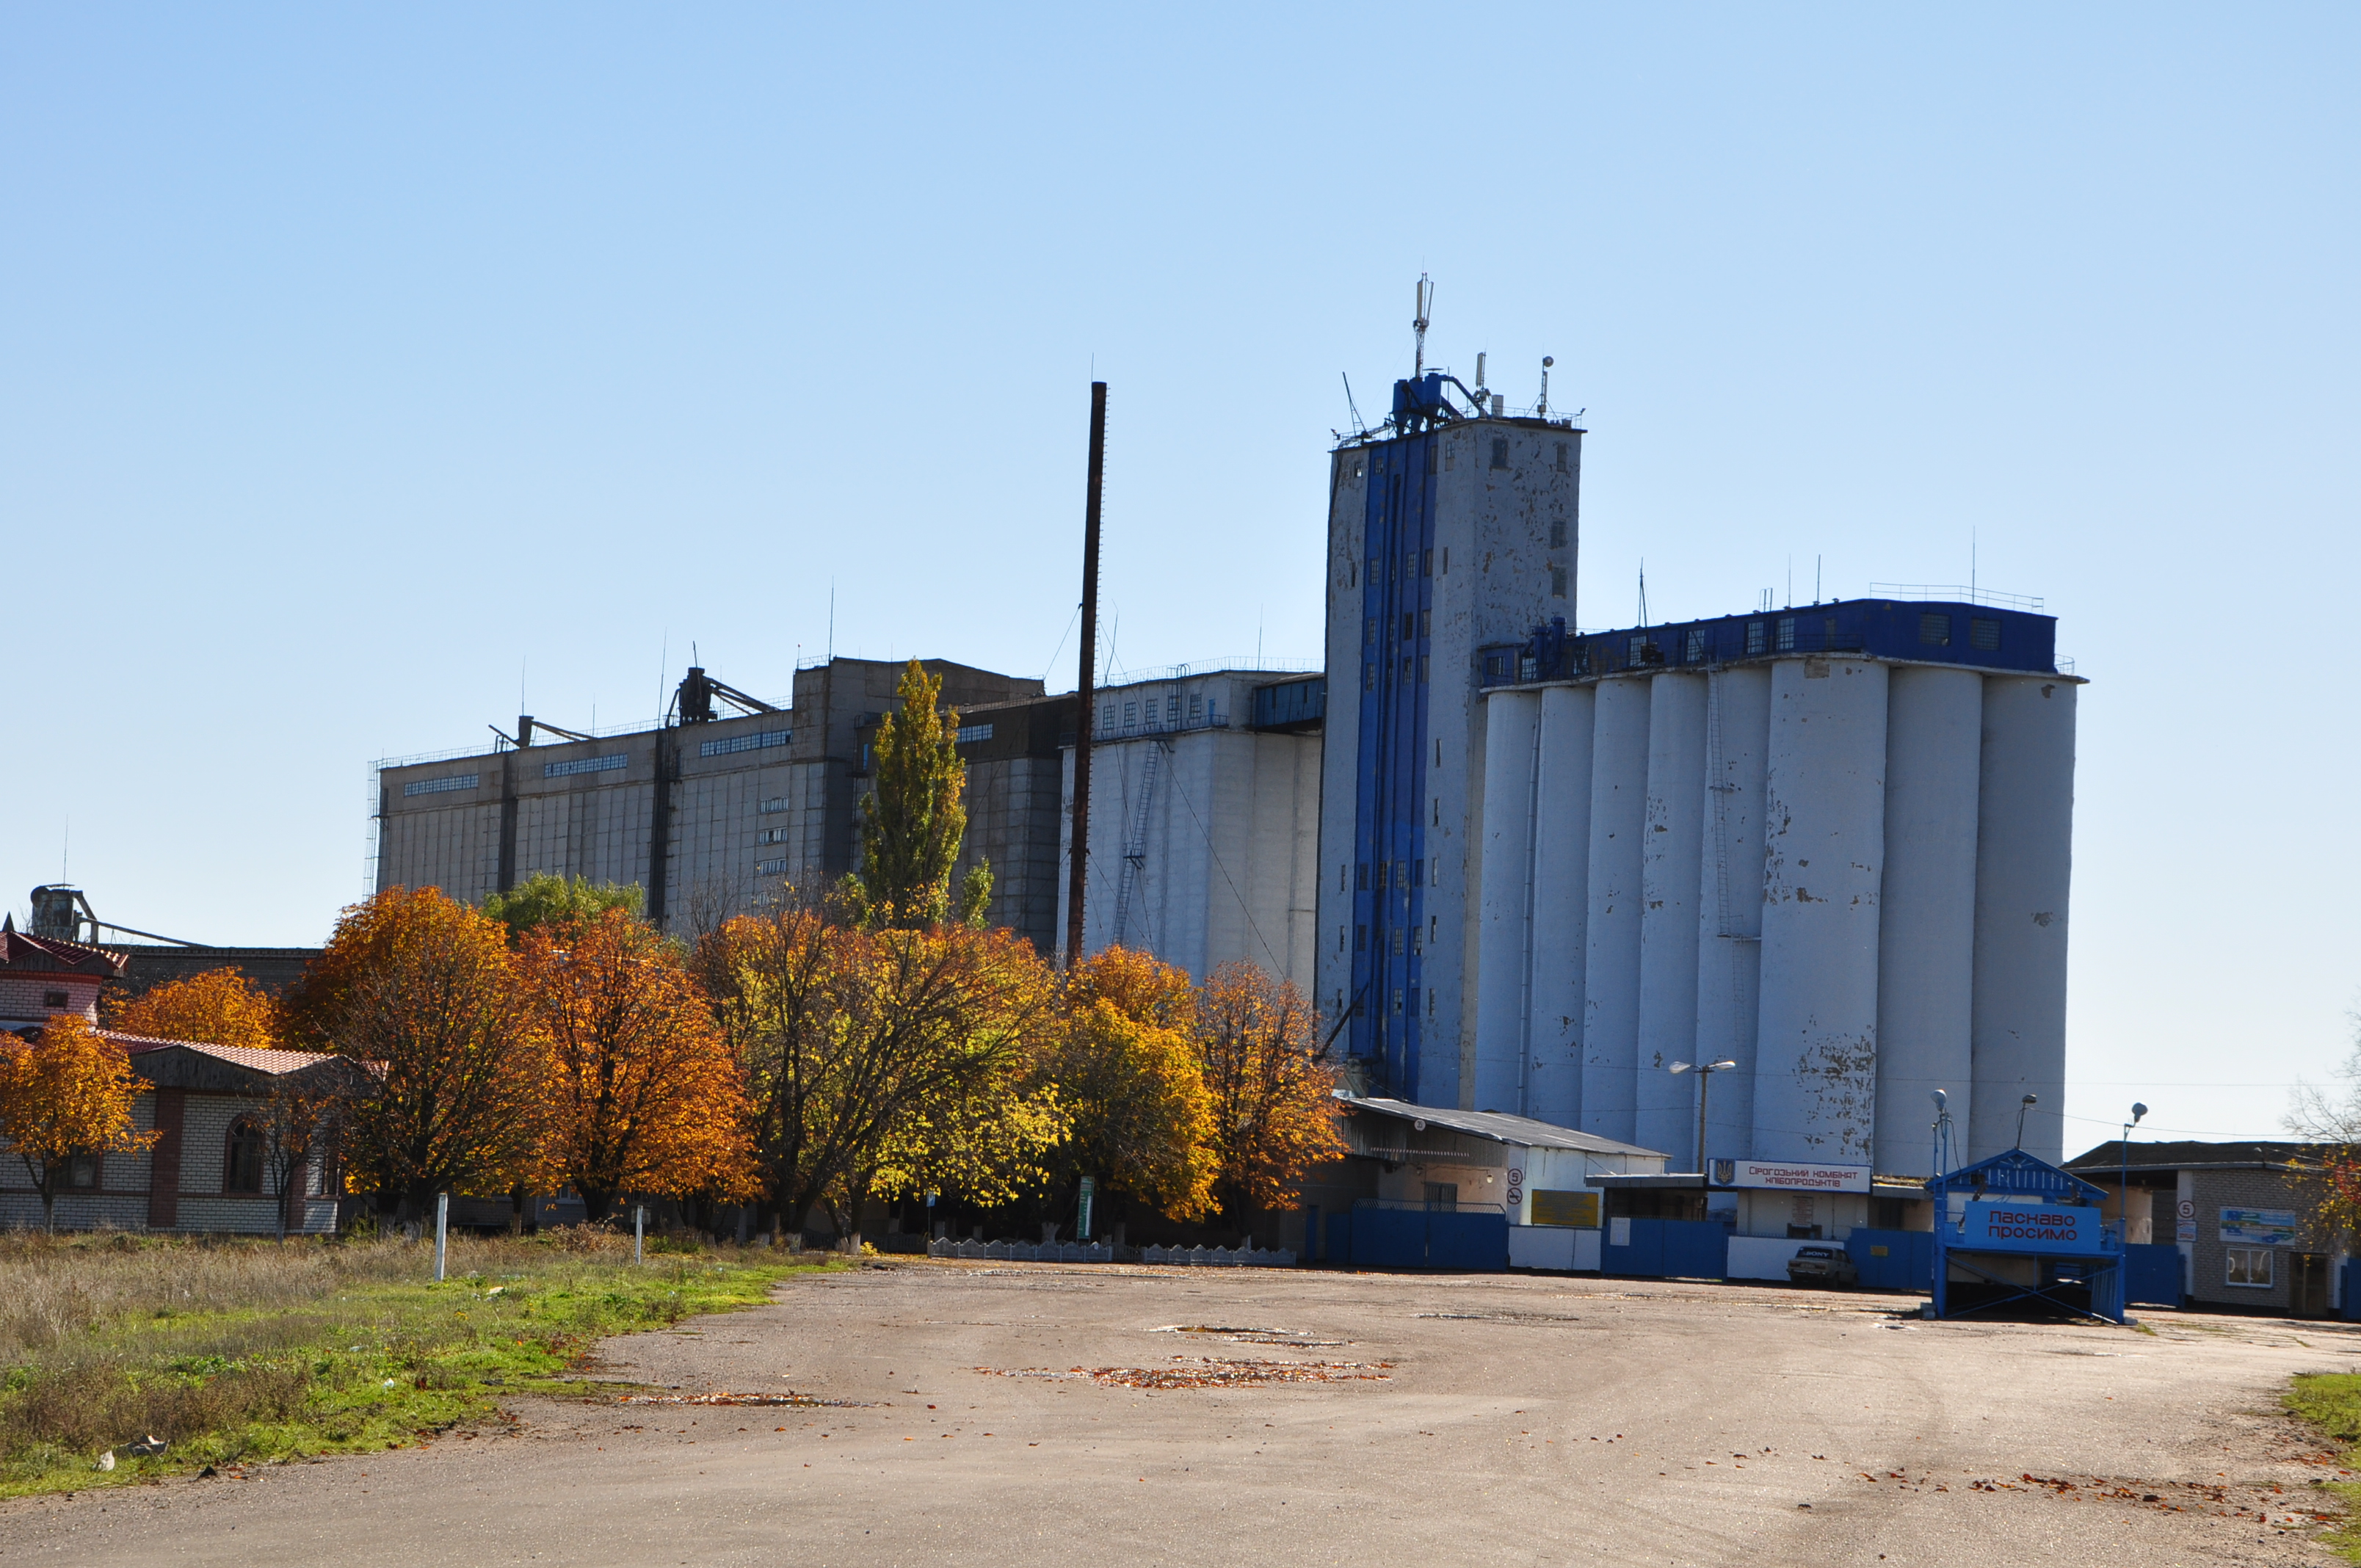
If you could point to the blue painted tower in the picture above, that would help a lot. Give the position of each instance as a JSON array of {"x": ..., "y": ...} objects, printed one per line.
[{"x": 1452, "y": 525}]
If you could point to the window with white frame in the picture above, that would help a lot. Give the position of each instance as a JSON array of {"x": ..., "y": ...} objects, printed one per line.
[{"x": 2248, "y": 1265}]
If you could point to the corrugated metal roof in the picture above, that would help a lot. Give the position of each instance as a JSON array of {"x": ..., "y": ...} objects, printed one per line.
[{"x": 1501, "y": 1128}]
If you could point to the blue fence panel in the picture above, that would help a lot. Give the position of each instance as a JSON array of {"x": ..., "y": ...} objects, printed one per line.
[
  {"x": 1695, "y": 1249},
  {"x": 2348, "y": 1298},
  {"x": 2152, "y": 1275},
  {"x": 1893, "y": 1260},
  {"x": 1389, "y": 1238},
  {"x": 1340, "y": 1239},
  {"x": 1643, "y": 1253},
  {"x": 1468, "y": 1242}
]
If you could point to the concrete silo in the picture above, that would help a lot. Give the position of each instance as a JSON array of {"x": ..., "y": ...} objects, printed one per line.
[
  {"x": 1512, "y": 737},
  {"x": 1619, "y": 819},
  {"x": 2025, "y": 844},
  {"x": 1730, "y": 912},
  {"x": 1824, "y": 850},
  {"x": 1669, "y": 887},
  {"x": 1927, "y": 920},
  {"x": 1560, "y": 910}
]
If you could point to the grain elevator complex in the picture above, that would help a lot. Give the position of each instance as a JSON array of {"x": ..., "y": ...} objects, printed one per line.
[{"x": 1819, "y": 853}]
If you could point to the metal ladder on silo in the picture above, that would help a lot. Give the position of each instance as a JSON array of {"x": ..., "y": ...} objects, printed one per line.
[{"x": 1135, "y": 848}]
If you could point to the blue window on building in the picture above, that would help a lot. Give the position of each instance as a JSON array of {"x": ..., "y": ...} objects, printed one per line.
[
  {"x": 1934, "y": 629},
  {"x": 1984, "y": 634},
  {"x": 1758, "y": 638}
]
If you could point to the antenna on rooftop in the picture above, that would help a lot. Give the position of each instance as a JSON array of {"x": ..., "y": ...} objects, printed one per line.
[
  {"x": 1644, "y": 592},
  {"x": 1541, "y": 410},
  {"x": 1479, "y": 383},
  {"x": 1425, "y": 303},
  {"x": 1358, "y": 428}
]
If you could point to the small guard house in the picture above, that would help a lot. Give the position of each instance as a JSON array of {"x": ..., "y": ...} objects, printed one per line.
[{"x": 2017, "y": 1230}]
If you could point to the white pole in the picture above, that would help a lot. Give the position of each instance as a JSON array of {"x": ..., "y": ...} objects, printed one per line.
[
  {"x": 639, "y": 1230},
  {"x": 442, "y": 1230}
]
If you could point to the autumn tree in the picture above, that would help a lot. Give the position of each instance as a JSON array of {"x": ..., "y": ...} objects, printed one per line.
[
  {"x": 423, "y": 994},
  {"x": 640, "y": 1091},
  {"x": 850, "y": 1036},
  {"x": 65, "y": 1096},
  {"x": 299, "y": 1121},
  {"x": 546, "y": 899},
  {"x": 913, "y": 824},
  {"x": 219, "y": 1007},
  {"x": 1272, "y": 1090},
  {"x": 1125, "y": 1064}
]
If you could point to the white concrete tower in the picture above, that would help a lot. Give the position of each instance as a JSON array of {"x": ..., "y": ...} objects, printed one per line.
[
  {"x": 2025, "y": 851},
  {"x": 1619, "y": 821},
  {"x": 1561, "y": 905},
  {"x": 1925, "y": 927},
  {"x": 1824, "y": 847},
  {"x": 1449, "y": 530},
  {"x": 1669, "y": 888}
]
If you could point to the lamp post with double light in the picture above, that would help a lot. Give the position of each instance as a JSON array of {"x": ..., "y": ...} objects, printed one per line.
[{"x": 1705, "y": 1072}]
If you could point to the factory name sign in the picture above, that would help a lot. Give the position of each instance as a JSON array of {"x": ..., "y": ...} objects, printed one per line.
[
  {"x": 1790, "y": 1176},
  {"x": 2028, "y": 1227}
]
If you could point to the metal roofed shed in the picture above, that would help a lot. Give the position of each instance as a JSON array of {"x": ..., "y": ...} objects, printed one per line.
[
  {"x": 1473, "y": 1190},
  {"x": 2013, "y": 1229}
]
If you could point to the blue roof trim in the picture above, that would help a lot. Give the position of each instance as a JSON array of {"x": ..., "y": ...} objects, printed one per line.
[
  {"x": 2017, "y": 1172},
  {"x": 1938, "y": 631}
]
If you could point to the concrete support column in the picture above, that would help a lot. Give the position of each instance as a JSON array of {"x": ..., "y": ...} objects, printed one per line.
[
  {"x": 2024, "y": 843},
  {"x": 1926, "y": 933},
  {"x": 1512, "y": 738},
  {"x": 1561, "y": 905},
  {"x": 1611, "y": 1017},
  {"x": 1730, "y": 904},
  {"x": 1824, "y": 847},
  {"x": 1669, "y": 856}
]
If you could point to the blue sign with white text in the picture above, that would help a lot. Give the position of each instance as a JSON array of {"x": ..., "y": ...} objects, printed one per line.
[{"x": 1991, "y": 1225}]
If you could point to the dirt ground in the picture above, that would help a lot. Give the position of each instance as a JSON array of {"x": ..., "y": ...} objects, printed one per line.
[{"x": 989, "y": 1414}]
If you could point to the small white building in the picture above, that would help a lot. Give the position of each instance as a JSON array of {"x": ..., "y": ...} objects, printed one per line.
[{"x": 1540, "y": 1176}]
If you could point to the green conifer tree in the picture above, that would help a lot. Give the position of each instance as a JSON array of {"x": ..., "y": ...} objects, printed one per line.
[{"x": 913, "y": 824}]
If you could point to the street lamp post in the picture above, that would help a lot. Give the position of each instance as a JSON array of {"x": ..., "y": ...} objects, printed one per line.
[
  {"x": 1705, "y": 1072},
  {"x": 2123, "y": 1174}
]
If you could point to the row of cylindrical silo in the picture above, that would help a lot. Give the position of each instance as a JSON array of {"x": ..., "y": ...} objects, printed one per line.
[{"x": 1845, "y": 875}]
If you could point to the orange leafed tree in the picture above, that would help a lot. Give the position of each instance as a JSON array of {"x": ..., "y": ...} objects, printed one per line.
[
  {"x": 640, "y": 1092},
  {"x": 423, "y": 993},
  {"x": 221, "y": 1007},
  {"x": 66, "y": 1094},
  {"x": 1274, "y": 1109}
]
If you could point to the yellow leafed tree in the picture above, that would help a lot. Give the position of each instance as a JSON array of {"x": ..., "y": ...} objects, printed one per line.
[
  {"x": 1125, "y": 1069},
  {"x": 220, "y": 1007},
  {"x": 64, "y": 1096}
]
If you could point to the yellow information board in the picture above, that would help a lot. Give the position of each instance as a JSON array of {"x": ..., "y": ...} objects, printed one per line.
[{"x": 1579, "y": 1209}]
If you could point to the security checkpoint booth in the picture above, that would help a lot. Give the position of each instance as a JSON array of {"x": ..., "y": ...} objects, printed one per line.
[{"x": 2014, "y": 1230}]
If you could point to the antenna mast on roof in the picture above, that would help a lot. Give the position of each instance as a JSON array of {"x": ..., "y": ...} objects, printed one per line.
[{"x": 1425, "y": 304}]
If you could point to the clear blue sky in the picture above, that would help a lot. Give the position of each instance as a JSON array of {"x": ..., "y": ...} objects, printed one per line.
[{"x": 354, "y": 358}]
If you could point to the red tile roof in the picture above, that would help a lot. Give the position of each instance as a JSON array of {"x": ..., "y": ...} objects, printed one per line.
[
  {"x": 47, "y": 955},
  {"x": 271, "y": 1061}
]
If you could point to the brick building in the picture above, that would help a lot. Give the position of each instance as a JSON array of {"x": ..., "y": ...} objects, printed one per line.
[
  {"x": 2238, "y": 1212},
  {"x": 209, "y": 1170}
]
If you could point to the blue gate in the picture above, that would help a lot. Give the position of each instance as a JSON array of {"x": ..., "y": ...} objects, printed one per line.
[
  {"x": 1893, "y": 1260},
  {"x": 2152, "y": 1275},
  {"x": 1374, "y": 1237},
  {"x": 1688, "y": 1249}
]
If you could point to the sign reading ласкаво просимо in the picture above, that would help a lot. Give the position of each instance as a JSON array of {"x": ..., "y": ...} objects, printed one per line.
[{"x": 2000, "y": 1226}]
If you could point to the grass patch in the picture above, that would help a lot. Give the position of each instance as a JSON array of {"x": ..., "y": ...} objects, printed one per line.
[
  {"x": 2331, "y": 1402},
  {"x": 235, "y": 1352}
]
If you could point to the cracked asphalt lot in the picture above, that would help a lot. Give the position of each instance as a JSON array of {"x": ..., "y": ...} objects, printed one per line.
[{"x": 989, "y": 1414}]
